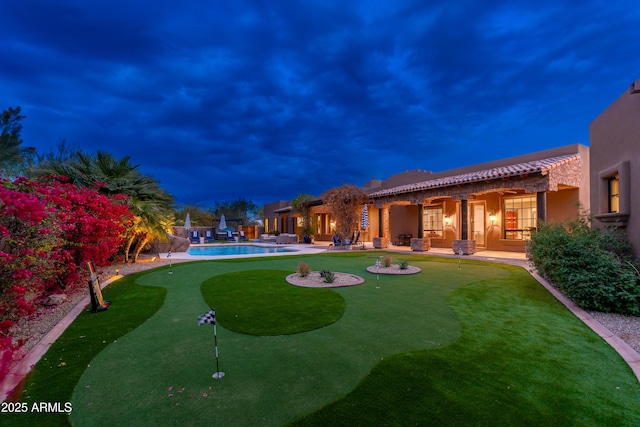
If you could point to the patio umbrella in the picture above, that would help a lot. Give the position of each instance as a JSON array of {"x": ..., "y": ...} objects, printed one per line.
[
  {"x": 223, "y": 223},
  {"x": 187, "y": 222},
  {"x": 364, "y": 224}
]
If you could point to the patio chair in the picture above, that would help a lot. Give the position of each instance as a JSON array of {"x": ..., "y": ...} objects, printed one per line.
[
  {"x": 350, "y": 240},
  {"x": 356, "y": 239},
  {"x": 230, "y": 237},
  {"x": 337, "y": 243},
  {"x": 208, "y": 236},
  {"x": 195, "y": 237},
  {"x": 242, "y": 236}
]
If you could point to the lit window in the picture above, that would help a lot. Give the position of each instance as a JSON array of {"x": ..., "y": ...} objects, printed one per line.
[
  {"x": 266, "y": 225},
  {"x": 614, "y": 194},
  {"x": 432, "y": 221},
  {"x": 519, "y": 217}
]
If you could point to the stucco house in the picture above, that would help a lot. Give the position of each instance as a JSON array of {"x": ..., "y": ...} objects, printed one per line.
[
  {"x": 489, "y": 206},
  {"x": 615, "y": 165}
]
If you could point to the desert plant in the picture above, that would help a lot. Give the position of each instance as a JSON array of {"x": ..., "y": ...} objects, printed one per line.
[
  {"x": 329, "y": 277},
  {"x": 579, "y": 260},
  {"x": 303, "y": 269},
  {"x": 301, "y": 205},
  {"x": 386, "y": 261},
  {"x": 324, "y": 272},
  {"x": 404, "y": 265}
]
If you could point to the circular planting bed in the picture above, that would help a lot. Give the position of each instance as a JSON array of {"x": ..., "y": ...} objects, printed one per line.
[
  {"x": 393, "y": 269},
  {"x": 314, "y": 280}
]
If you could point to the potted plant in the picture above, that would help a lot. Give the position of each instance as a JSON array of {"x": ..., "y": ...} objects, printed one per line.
[{"x": 301, "y": 206}]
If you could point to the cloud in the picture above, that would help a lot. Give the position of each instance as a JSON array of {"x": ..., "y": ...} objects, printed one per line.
[{"x": 267, "y": 100}]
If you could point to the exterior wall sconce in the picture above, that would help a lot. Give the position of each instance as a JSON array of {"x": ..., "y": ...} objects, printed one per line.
[
  {"x": 492, "y": 218},
  {"x": 447, "y": 220}
]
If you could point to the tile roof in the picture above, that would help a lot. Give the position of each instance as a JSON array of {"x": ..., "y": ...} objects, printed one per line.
[{"x": 543, "y": 166}]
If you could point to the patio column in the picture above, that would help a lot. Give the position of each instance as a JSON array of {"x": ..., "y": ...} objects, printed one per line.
[
  {"x": 464, "y": 245},
  {"x": 464, "y": 220},
  {"x": 386, "y": 225},
  {"x": 384, "y": 229},
  {"x": 420, "y": 243},
  {"x": 541, "y": 206},
  {"x": 420, "y": 221}
]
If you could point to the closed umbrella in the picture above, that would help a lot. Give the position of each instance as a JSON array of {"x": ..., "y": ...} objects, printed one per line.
[
  {"x": 364, "y": 224},
  {"x": 223, "y": 223},
  {"x": 187, "y": 224}
]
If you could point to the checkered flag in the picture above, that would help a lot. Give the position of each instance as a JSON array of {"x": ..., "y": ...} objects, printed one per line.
[{"x": 209, "y": 317}]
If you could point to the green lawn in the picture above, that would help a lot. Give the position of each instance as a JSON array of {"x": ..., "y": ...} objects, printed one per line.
[{"x": 484, "y": 345}]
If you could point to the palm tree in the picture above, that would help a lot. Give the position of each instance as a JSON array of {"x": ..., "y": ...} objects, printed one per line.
[{"x": 150, "y": 204}]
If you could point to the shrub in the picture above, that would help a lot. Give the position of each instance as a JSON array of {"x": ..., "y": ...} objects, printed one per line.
[
  {"x": 386, "y": 261},
  {"x": 303, "y": 269},
  {"x": 324, "y": 272},
  {"x": 329, "y": 277},
  {"x": 580, "y": 261},
  {"x": 404, "y": 265}
]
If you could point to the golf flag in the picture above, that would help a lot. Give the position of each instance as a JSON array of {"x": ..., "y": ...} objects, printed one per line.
[{"x": 209, "y": 317}]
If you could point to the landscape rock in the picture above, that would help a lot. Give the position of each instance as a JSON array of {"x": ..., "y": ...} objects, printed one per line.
[
  {"x": 55, "y": 299},
  {"x": 173, "y": 244}
]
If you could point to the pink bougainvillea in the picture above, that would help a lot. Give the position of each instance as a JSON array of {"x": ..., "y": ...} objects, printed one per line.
[{"x": 48, "y": 229}]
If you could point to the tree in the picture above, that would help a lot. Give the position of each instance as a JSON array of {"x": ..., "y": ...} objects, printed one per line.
[
  {"x": 345, "y": 204},
  {"x": 239, "y": 208},
  {"x": 148, "y": 202},
  {"x": 300, "y": 205},
  {"x": 13, "y": 158}
]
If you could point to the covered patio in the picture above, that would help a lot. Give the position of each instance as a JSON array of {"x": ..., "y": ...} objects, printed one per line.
[{"x": 487, "y": 207}]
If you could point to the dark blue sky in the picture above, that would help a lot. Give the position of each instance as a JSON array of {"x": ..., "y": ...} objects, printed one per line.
[{"x": 269, "y": 99}]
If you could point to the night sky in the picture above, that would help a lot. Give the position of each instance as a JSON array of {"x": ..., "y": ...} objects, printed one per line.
[{"x": 268, "y": 99}]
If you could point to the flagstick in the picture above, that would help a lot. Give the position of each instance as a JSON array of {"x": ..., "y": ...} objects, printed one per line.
[{"x": 218, "y": 374}]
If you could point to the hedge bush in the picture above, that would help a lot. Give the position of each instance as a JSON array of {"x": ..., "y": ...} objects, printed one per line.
[{"x": 591, "y": 266}]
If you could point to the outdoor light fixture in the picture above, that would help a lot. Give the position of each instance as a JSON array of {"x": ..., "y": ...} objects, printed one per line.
[
  {"x": 447, "y": 220},
  {"x": 492, "y": 218},
  {"x": 117, "y": 272}
]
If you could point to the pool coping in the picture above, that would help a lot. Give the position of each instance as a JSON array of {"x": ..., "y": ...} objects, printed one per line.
[{"x": 292, "y": 249}]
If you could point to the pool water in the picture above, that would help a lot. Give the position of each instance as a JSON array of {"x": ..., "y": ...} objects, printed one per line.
[{"x": 235, "y": 250}]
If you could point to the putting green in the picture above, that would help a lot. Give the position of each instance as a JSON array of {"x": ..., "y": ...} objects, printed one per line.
[
  {"x": 282, "y": 309},
  {"x": 161, "y": 372}
]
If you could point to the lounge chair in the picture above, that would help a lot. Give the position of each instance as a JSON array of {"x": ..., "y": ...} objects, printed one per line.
[
  {"x": 242, "y": 236},
  {"x": 208, "y": 236},
  {"x": 230, "y": 237},
  {"x": 195, "y": 237}
]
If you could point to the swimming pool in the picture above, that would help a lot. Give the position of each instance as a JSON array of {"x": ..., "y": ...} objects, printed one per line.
[{"x": 235, "y": 250}]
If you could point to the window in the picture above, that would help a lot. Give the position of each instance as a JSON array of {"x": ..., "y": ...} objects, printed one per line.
[
  {"x": 432, "y": 221},
  {"x": 614, "y": 194},
  {"x": 519, "y": 217},
  {"x": 266, "y": 225}
]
